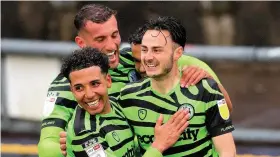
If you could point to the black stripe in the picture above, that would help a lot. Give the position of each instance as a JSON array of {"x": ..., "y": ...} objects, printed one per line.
[
  {"x": 115, "y": 95},
  {"x": 66, "y": 102},
  {"x": 124, "y": 53},
  {"x": 203, "y": 94},
  {"x": 83, "y": 140},
  {"x": 60, "y": 82},
  {"x": 152, "y": 124},
  {"x": 79, "y": 122},
  {"x": 80, "y": 154},
  {"x": 56, "y": 122},
  {"x": 60, "y": 88},
  {"x": 202, "y": 152},
  {"x": 119, "y": 145},
  {"x": 150, "y": 93},
  {"x": 109, "y": 128},
  {"x": 178, "y": 149},
  {"x": 144, "y": 104},
  {"x": 59, "y": 77},
  {"x": 137, "y": 88},
  {"x": 126, "y": 65},
  {"x": 143, "y": 124},
  {"x": 93, "y": 123}
]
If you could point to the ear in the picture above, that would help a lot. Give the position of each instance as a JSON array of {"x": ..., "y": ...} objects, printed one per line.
[
  {"x": 178, "y": 53},
  {"x": 109, "y": 80},
  {"x": 80, "y": 41}
]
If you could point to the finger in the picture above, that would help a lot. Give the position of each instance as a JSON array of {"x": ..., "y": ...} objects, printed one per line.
[
  {"x": 194, "y": 76},
  {"x": 179, "y": 118},
  {"x": 62, "y": 140},
  {"x": 159, "y": 121},
  {"x": 63, "y": 147},
  {"x": 64, "y": 153},
  {"x": 182, "y": 129},
  {"x": 183, "y": 121},
  {"x": 173, "y": 117},
  {"x": 62, "y": 134},
  {"x": 186, "y": 74},
  {"x": 198, "y": 78}
]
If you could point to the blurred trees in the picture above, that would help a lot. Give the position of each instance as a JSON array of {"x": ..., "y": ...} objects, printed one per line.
[{"x": 215, "y": 23}]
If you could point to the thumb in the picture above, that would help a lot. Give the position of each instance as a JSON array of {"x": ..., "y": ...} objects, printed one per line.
[{"x": 159, "y": 121}]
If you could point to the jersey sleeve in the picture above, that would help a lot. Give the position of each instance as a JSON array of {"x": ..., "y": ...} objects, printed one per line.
[
  {"x": 151, "y": 151},
  {"x": 218, "y": 120},
  {"x": 192, "y": 61},
  {"x": 58, "y": 109}
]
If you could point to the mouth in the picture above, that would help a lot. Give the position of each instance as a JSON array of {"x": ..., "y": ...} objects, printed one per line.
[
  {"x": 93, "y": 103},
  {"x": 112, "y": 56}
]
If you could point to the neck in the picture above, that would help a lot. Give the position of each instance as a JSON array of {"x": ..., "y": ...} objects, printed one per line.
[
  {"x": 167, "y": 82},
  {"x": 107, "y": 107}
]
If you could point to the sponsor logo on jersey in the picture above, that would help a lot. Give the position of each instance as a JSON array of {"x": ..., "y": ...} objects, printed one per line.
[
  {"x": 93, "y": 148},
  {"x": 116, "y": 136},
  {"x": 223, "y": 109},
  {"x": 142, "y": 113},
  {"x": 189, "y": 107},
  {"x": 188, "y": 134},
  {"x": 129, "y": 152},
  {"x": 132, "y": 76},
  {"x": 49, "y": 103}
]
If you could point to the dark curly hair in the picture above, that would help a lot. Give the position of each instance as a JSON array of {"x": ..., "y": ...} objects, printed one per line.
[
  {"x": 172, "y": 25},
  {"x": 96, "y": 13},
  {"x": 136, "y": 37},
  {"x": 84, "y": 58}
]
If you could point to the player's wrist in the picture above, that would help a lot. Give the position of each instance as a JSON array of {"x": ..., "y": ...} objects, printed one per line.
[{"x": 158, "y": 146}]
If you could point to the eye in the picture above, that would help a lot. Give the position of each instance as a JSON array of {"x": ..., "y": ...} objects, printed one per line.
[
  {"x": 95, "y": 84},
  {"x": 143, "y": 50},
  {"x": 115, "y": 34},
  {"x": 100, "y": 39},
  {"x": 78, "y": 88}
]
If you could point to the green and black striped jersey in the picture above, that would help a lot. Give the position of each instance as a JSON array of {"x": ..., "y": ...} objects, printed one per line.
[
  {"x": 99, "y": 135},
  {"x": 209, "y": 115}
]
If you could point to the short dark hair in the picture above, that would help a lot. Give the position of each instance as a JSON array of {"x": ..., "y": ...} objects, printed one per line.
[
  {"x": 96, "y": 13},
  {"x": 136, "y": 37},
  {"x": 172, "y": 25},
  {"x": 84, "y": 58}
]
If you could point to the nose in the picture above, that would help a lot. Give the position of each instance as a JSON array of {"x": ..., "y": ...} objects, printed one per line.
[{"x": 89, "y": 94}]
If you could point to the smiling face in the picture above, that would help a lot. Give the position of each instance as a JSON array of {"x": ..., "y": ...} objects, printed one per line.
[
  {"x": 103, "y": 36},
  {"x": 136, "y": 53},
  {"x": 157, "y": 54},
  {"x": 89, "y": 87}
]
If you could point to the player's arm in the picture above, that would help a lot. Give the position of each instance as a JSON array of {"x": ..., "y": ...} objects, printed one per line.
[
  {"x": 193, "y": 70},
  {"x": 218, "y": 121},
  {"x": 58, "y": 109}
]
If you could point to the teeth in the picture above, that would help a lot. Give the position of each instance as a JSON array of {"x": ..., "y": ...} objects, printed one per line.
[
  {"x": 151, "y": 65},
  {"x": 110, "y": 54},
  {"x": 94, "y": 103}
]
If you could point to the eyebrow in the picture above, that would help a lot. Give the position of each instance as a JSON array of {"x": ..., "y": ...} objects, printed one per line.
[{"x": 79, "y": 84}]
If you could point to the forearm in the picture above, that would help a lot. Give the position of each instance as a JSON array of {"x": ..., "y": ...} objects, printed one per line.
[{"x": 49, "y": 142}]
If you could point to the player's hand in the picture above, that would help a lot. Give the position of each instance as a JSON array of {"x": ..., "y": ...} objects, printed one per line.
[
  {"x": 167, "y": 134},
  {"x": 62, "y": 141},
  {"x": 191, "y": 75}
]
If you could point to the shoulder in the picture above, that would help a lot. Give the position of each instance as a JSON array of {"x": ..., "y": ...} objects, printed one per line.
[
  {"x": 60, "y": 83},
  {"x": 135, "y": 86}
]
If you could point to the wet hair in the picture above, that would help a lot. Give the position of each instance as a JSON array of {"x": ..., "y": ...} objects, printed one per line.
[
  {"x": 84, "y": 58},
  {"x": 96, "y": 13},
  {"x": 170, "y": 24},
  {"x": 136, "y": 37}
]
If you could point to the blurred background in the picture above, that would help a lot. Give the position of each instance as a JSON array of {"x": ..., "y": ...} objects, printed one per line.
[{"x": 240, "y": 41}]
